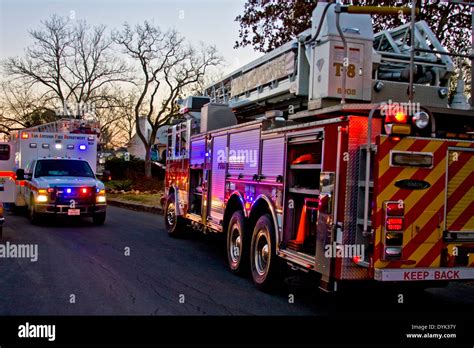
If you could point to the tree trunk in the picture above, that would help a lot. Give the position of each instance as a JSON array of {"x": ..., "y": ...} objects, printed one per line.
[{"x": 148, "y": 162}]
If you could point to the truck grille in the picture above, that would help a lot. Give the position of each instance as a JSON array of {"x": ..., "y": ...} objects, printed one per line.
[{"x": 80, "y": 195}]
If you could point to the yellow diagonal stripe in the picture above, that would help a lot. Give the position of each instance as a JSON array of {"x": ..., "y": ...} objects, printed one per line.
[
  {"x": 434, "y": 175},
  {"x": 467, "y": 198},
  {"x": 402, "y": 145}
]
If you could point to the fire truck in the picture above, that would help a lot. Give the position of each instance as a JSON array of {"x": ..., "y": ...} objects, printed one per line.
[
  {"x": 50, "y": 170},
  {"x": 337, "y": 154}
]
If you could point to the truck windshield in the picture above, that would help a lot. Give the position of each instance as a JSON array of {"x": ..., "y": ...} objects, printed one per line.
[{"x": 58, "y": 167}]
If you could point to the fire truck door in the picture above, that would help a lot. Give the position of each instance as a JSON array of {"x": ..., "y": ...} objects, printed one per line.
[
  {"x": 7, "y": 173},
  {"x": 218, "y": 174}
]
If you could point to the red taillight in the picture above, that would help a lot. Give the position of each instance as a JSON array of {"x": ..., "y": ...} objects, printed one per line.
[
  {"x": 397, "y": 116},
  {"x": 395, "y": 209},
  {"x": 394, "y": 224},
  {"x": 393, "y": 232}
]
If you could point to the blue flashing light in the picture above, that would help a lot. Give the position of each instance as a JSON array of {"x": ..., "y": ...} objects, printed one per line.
[
  {"x": 82, "y": 147},
  {"x": 68, "y": 190}
]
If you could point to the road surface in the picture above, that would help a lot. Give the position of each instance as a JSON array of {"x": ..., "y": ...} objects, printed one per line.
[{"x": 130, "y": 266}]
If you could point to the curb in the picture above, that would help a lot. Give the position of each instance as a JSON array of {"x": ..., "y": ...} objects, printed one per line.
[{"x": 135, "y": 206}]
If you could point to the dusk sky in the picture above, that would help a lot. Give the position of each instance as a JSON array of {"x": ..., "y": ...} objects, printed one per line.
[{"x": 210, "y": 21}]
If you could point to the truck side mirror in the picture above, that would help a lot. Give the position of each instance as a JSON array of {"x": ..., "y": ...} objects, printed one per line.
[{"x": 20, "y": 174}]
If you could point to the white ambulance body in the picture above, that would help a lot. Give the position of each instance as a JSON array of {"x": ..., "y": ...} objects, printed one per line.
[{"x": 27, "y": 148}]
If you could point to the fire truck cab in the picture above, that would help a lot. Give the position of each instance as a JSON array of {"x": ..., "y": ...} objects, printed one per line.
[{"x": 314, "y": 156}]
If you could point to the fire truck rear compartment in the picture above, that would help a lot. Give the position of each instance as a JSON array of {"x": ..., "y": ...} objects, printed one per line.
[{"x": 302, "y": 202}]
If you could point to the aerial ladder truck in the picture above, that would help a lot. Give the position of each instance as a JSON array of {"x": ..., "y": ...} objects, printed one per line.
[{"x": 337, "y": 154}]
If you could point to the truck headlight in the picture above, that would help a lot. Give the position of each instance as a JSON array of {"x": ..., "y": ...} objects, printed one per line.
[
  {"x": 41, "y": 198},
  {"x": 100, "y": 198}
]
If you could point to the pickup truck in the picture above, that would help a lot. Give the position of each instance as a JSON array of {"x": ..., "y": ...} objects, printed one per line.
[{"x": 62, "y": 186}]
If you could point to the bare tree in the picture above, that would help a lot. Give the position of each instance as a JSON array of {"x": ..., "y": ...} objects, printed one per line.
[
  {"x": 167, "y": 66},
  {"x": 71, "y": 62},
  {"x": 126, "y": 123},
  {"x": 116, "y": 117},
  {"x": 21, "y": 107}
]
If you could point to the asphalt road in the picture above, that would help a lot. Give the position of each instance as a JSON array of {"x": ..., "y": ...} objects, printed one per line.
[{"x": 89, "y": 262}]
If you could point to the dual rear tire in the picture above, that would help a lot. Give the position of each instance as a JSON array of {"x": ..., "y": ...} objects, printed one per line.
[
  {"x": 256, "y": 249},
  {"x": 246, "y": 250}
]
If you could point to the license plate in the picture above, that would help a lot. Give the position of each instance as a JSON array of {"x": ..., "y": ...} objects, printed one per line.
[{"x": 74, "y": 212}]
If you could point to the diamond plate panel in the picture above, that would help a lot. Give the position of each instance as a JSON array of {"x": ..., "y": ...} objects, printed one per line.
[{"x": 358, "y": 127}]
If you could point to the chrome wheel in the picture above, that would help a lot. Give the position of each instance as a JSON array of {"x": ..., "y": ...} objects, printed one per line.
[
  {"x": 171, "y": 214},
  {"x": 235, "y": 245},
  {"x": 262, "y": 253},
  {"x": 238, "y": 244},
  {"x": 263, "y": 261}
]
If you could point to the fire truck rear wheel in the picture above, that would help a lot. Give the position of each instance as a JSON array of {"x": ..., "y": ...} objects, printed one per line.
[
  {"x": 263, "y": 261},
  {"x": 238, "y": 244},
  {"x": 175, "y": 225}
]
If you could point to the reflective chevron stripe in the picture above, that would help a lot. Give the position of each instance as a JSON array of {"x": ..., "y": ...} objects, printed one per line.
[{"x": 424, "y": 209}]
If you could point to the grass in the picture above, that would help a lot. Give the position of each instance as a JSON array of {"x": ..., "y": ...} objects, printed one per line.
[
  {"x": 147, "y": 199},
  {"x": 119, "y": 184},
  {"x": 139, "y": 184}
]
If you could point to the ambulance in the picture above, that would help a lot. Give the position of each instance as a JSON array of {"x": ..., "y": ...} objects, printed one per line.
[{"x": 51, "y": 170}]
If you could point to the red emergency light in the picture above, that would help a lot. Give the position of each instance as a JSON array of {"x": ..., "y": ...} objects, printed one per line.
[
  {"x": 25, "y": 135},
  {"x": 396, "y": 116},
  {"x": 394, "y": 224},
  {"x": 395, "y": 209}
]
